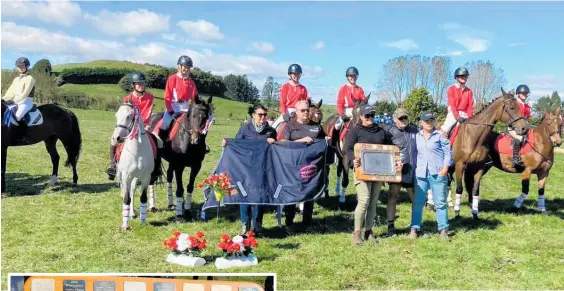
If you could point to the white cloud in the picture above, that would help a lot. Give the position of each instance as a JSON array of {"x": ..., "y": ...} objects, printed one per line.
[
  {"x": 63, "y": 48},
  {"x": 132, "y": 23},
  {"x": 542, "y": 85},
  {"x": 201, "y": 30},
  {"x": 261, "y": 46},
  {"x": 318, "y": 46},
  {"x": 405, "y": 44},
  {"x": 473, "y": 40},
  {"x": 60, "y": 12},
  {"x": 175, "y": 38},
  {"x": 515, "y": 43}
]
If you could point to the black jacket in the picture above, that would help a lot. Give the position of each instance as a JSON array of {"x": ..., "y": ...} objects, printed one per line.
[
  {"x": 405, "y": 140},
  {"x": 248, "y": 131},
  {"x": 360, "y": 134}
]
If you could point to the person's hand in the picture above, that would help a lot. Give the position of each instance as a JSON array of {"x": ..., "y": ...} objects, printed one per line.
[
  {"x": 461, "y": 120},
  {"x": 399, "y": 164},
  {"x": 270, "y": 140},
  {"x": 308, "y": 140},
  {"x": 443, "y": 172},
  {"x": 223, "y": 143},
  {"x": 327, "y": 137},
  {"x": 356, "y": 162},
  {"x": 286, "y": 117}
]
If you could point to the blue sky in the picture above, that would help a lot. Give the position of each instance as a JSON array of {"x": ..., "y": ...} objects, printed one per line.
[{"x": 263, "y": 38}]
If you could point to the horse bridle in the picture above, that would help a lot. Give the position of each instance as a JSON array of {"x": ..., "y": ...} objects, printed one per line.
[
  {"x": 511, "y": 122},
  {"x": 135, "y": 114}
]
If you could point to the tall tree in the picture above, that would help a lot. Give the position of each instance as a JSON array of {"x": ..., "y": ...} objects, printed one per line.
[
  {"x": 43, "y": 66},
  {"x": 441, "y": 77},
  {"x": 268, "y": 91},
  {"x": 555, "y": 99},
  {"x": 425, "y": 67},
  {"x": 485, "y": 81},
  {"x": 394, "y": 77},
  {"x": 413, "y": 69}
]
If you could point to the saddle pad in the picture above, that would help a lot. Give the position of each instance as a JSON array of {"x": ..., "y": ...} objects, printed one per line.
[
  {"x": 175, "y": 127},
  {"x": 454, "y": 133},
  {"x": 120, "y": 148},
  {"x": 281, "y": 131},
  {"x": 503, "y": 144}
]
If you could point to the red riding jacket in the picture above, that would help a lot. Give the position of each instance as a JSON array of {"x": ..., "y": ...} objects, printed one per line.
[
  {"x": 347, "y": 96},
  {"x": 179, "y": 89},
  {"x": 524, "y": 108},
  {"x": 145, "y": 104},
  {"x": 290, "y": 95},
  {"x": 460, "y": 100}
]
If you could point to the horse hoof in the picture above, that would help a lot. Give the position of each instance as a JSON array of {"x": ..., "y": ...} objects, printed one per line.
[
  {"x": 187, "y": 215},
  {"x": 475, "y": 216},
  {"x": 172, "y": 207},
  {"x": 153, "y": 209},
  {"x": 125, "y": 228}
]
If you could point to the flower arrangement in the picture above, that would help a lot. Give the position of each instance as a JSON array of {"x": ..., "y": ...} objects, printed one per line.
[
  {"x": 221, "y": 185},
  {"x": 240, "y": 245},
  {"x": 182, "y": 243}
]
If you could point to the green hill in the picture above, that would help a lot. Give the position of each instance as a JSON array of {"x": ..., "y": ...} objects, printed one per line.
[{"x": 103, "y": 63}]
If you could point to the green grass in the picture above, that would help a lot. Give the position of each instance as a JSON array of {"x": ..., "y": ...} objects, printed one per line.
[
  {"x": 102, "y": 63},
  {"x": 70, "y": 228}
]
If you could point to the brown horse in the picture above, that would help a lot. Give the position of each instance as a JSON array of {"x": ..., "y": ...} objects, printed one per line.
[
  {"x": 58, "y": 124},
  {"x": 339, "y": 147},
  {"x": 538, "y": 160},
  {"x": 470, "y": 148}
]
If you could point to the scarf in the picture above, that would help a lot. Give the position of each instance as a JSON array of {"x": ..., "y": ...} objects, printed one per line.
[{"x": 258, "y": 128}]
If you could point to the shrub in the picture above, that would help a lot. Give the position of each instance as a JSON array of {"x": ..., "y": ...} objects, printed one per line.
[
  {"x": 96, "y": 75},
  {"x": 124, "y": 84}
]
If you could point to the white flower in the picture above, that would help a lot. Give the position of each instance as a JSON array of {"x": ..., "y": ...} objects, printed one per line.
[
  {"x": 239, "y": 240},
  {"x": 183, "y": 242}
]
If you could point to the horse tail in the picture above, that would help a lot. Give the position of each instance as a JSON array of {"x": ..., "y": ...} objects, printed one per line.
[{"x": 74, "y": 145}]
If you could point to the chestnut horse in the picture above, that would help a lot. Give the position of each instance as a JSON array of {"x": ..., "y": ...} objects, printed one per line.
[
  {"x": 538, "y": 160},
  {"x": 470, "y": 148}
]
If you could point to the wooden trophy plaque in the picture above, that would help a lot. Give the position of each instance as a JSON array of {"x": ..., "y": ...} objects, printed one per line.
[{"x": 377, "y": 162}]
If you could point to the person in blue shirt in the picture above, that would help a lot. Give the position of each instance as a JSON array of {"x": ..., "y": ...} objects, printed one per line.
[
  {"x": 434, "y": 156},
  {"x": 259, "y": 129}
]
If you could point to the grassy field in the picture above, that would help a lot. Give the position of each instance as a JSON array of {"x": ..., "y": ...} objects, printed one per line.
[
  {"x": 69, "y": 228},
  {"x": 102, "y": 63}
]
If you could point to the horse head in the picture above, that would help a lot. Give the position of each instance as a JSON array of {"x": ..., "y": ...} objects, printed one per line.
[
  {"x": 127, "y": 117},
  {"x": 506, "y": 107},
  {"x": 199, "y": 115},
  {"x": 553, "y": 126},
  {"x": 315, "y": 113},
  {"x": 356, "y": 108}
]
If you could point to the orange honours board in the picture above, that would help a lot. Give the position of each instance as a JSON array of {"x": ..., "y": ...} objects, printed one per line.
[{"x": 119, "y": 283}]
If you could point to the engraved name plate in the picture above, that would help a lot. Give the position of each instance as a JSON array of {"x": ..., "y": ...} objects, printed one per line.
[
  {"x": 74, "y": 285},
  {"x": 164, "y": 286},
  {"x": 104, "y": 286}
]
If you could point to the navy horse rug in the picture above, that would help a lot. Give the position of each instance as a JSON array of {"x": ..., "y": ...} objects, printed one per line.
[{"x": 283, "y": 173}]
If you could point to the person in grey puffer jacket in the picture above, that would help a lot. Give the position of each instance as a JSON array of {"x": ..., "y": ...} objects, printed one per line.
[{"x": 402, "y": 134}]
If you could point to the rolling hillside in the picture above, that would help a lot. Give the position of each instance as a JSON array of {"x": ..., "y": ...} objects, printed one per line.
[{"x": 102, "y": 63}]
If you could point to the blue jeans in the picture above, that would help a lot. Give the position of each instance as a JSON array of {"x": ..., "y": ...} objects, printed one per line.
[
  {"x": 244, "y": 211},
  {"x": 438, "y": 186}
]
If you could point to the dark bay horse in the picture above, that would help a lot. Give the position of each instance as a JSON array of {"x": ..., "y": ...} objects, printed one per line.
[
  {"x": 538, "y": 160},
  {"x": 187, "y": 149},
  {"x": 58, "y": 124},
  {"x": 340, "y": 146},
  {"x": 470, "y": 148}
]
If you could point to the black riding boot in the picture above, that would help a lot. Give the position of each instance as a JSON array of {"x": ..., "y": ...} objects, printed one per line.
[
  {"x": 163, "y": 134},
  {"x": 516, "y": 149},
  {"x": 111, "y": 171}
]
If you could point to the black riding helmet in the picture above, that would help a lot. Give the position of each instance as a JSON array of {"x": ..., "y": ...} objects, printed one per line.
[
  {"x": 185, "y": 61},
  {"x": 22, "y": 60},
  {"x": 294, "y": 69},
  {"x": 523, "y": 89},
  {"x": 136, "y": 77},
  {"x": 461, "y": 72},
  {"x": 352, "y": 71}
]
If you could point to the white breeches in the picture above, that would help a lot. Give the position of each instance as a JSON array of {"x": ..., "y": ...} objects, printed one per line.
[
  {"x": 177, "y": 108},
  {"x": 450, "y": 121},
  {"x": 23, "y": 107},
  {"x": 339, "y": 122},
  {"x": 280, "y": 118},
  {"x": 515, "y": 135}
]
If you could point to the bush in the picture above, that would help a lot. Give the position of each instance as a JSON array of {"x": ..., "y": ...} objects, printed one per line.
[
  {"x": 42, "y": 66},
  {"x": 156, "y": 78},
  {"x": 96, "y": 75},
  {"x": 124, "y": 84}
]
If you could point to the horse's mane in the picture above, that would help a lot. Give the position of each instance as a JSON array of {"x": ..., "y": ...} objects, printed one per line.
[{"x": 487, "y": 105}]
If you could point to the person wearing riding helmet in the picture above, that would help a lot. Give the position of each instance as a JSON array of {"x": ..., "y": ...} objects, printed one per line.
[
  {"x": 290, "y": 94},
  {"x": 144, "y": 100},
  {"x": 460, "y": 101},
  {"x": 347, "y": 96},
  {"x": 21, "y": 90},
  {"x": 180, "y": 91},
  {"x": 523, "y": 92}
]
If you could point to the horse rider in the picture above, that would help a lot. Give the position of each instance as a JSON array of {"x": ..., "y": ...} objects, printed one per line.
[
  {"x": 347, "y": 96},
  {"x": 21, "y": 91},
  {"x": 145, "y": 101},
  {"x": 523, "y": 92},
  {"x": 180, "y": 91},
  {"x": 460, "y": 101},
  {"x": 290, "y": 94},
  {"x": 403, "y": 135}
]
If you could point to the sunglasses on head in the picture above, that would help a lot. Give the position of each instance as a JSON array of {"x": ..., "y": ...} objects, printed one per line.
[{"x": 304, "y": 110}]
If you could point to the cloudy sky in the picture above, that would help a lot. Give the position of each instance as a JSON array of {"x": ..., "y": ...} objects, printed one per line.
[{"x": 262, "y": 38}]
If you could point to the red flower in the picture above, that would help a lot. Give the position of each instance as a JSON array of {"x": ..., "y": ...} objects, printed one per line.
[
  {"x": 224, "y": 174},
  {"x": 224, "y": 187},
  {"x": 250, "y": 233},
  {"x": 225, "y": 236},
  {"x": 200, "y": 185},
  {"x": 237, "y": 247},
  {"x": 199, "y": 234},
  {"x": 246, "y": 242},
  {"x": 222, "y": 245}
]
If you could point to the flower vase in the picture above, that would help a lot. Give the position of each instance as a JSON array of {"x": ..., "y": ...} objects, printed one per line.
[
  {"x": 185, "y": 260},
  {"x": 233, "y": 261}
]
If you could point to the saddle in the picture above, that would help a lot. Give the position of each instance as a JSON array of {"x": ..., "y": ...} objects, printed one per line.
[
  {"x": 172, "y": 129},
  {"x": 32, "y": 118},
  {"x": 504, "y": 145},
  {"x": 152, "y": 141}
]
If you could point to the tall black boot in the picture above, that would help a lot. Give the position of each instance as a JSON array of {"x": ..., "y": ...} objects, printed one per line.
[
  {"x": 111, "y": 171},
  {"x": 163, "y": 134},
  {"x": 516, "y": 150}
]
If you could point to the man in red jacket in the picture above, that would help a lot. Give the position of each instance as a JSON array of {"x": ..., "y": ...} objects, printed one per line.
[
  {"x": 348, "y": 94},
  {"x": 460, "y": 101},
  {"x": 523, "y": 92},
  {"x": 290, "y": 94},
  {"x": 145, "y": 101}
]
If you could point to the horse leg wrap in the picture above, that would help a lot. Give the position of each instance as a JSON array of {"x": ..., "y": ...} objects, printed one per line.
[
  {"x": 430, "y": 197},
  {"x": 541, "y": 205},
  {"x": 125, "y": 213},
  {"x": 519, "y": 201},
  {"x": 169, "y": 193},
  {"x": 151, "y": 196},
  {"x": 179, "y": 201},
  {"x": 475, "y": 202},
  {"x": 338, "y": 185},
  {"x": 188, "y": 201},
  {"x": 449, "y": 198},
  {"x": 457, "y": 202},
  {"x": 343, "y": 194},
  {"x": 143, "y": 213}
]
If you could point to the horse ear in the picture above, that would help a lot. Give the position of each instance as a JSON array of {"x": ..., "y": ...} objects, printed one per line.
[
  {"x": 319, "y": 104},
  {"x": 210, "y": 99},
  {"x": 503, "y": 92},
  {"x": 512, "y": 92},
  {"x": 368, "y": 97}
]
